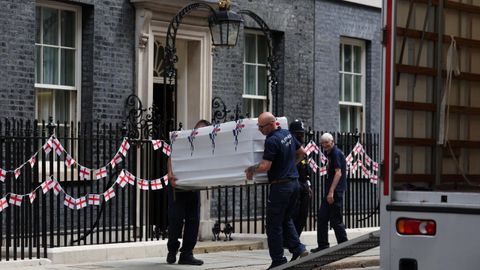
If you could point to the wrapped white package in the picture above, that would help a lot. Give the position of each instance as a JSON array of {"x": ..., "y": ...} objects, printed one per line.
[{"x": 218, "y": 155}]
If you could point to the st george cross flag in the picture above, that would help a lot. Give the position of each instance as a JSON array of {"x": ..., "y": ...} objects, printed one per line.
[
  {"x": 313, "y": 165},
  {"x": 69, "y": 201},
  {"x": 122, "y": 179},
  {"x": 15, "y": 199},
  {"x": 32, "y": 160},
  {"x": 3, "y": 204},
  {"x": 365, "y": 172},
  {"x": 165, "y": 179},
  {"x": 354, "y": 167},
  {"x": 116, "y": 159},
  {"x": 110, "y": 193},
  {"x": 156, "y": 184},
  {"x": 101, "y": 173},
  {"x": 81, "y": 202},
  {"x": 47, "y": 147},
  {"x": 323, "y": 158},
  {"x": 368, "y": 160},
  {"x": 3, "y": 174},
  {"x": 57, "y": 146},
  {"x": 373, "y": 179},
  {"x": 47, "y": 185},
  {"x": 349, "y": 159},
  {"x": 94, "y": 199},
  {"x": 142, "y": 184},
  {"x": 32, "y": 195},
  {"x": 358, "y": 149},
  {"x": 130, "y": 178},
  {"x": 84, "y": 173},
  {"x": 311, "y": 147},
  {"x": 18, "y": 171},
  {"x": 57, "y": 188},
  {"x": 323, "y": 170},
  {"x": 375, "y": 166},
  {"x": 166, "y": 149},
  {"x": 69, "y": 161},
  {"x": 124, "y": 147},
  {"x": 156, "y": 144}
]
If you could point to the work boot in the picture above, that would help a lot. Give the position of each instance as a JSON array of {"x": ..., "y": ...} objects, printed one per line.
[
  {"x": 189, "y": 260},
  {"x": 171, "y": 257},
  {"x": 299, "y": 255}
]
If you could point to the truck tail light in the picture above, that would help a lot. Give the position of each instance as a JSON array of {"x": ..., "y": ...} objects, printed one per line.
[{"x": 412, "y": 226}]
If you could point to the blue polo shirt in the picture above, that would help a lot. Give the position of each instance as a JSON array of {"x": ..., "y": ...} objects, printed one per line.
[
  {"x": 280, "y": 149},
  {"x": 336, "y": 159}
]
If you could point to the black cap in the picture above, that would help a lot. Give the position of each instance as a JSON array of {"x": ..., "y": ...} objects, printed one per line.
[{"x": 296, "y": 126}]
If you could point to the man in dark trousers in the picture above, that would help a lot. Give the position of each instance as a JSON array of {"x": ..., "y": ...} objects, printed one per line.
[
  {"x": 305, "y": 195},
  {"x": 331, "y": 208},
  {"x": 183, "y": 214},
  {"x": 281, "y": 154}
]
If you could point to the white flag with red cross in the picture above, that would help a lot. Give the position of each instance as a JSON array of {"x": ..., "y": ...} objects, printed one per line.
[
  {"x": 18, "y": 171},
  {"x": 47, "y": 185},
  {"x": 57, "y": 146},
  {"x": 323, "y": 158},
  {"x": 81, "y": 202},
  {"x": 311, "y": 147},
  {"x": 110, "y": 193},
  {"x": 122, "y": 179},
  {"x": 47, "y": 147},
  {"x": 124, "y": 147},
  {"x": 57, "y": 188},
  {"x": 167, "y": 150},
  {"x": 15, "y": 199},
  {"x": 323, "y": 170},
  {"x": 358, "y": 149},
  {"x": 69, "y": 201},
  {"x": 130, "y": 178},
  {"x": 156, "y": 144},
  {"x": 375, "y": 166},
  {"x": 142, "y": 184},
  {"x": 116, "y": 160},
  {"x": 32, "y": 160},
  {"x": 354, "y": 167},
  {"x": 94, "y": 199},
  {"x": 368, "y": 160},
  {"x": 69, "y": 161},
  {"x": 32, "y": 195},
  {"x": 3, "y": 204},
  {"x": 365, "y": 172},
  {"x": 313, "y": 165},
  {"x": 84, "y": 173},
  {"x": 349, "y": 159},
  {"x": 156, "y": 184},
  {"x": 373, "y": 179},
  {"x": 3, "y": 174},
  {"x": 101, "y": 173},
  {"x": 165, "y": 179}
]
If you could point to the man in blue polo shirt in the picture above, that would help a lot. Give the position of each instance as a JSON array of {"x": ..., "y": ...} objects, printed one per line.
[
  {"x": 281, "y": 154},
  {"x": 335, "y": 186}
]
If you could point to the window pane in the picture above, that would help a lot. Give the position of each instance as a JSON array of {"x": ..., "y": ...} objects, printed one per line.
[
  {"x": 67, "y": 66},
  {"x": 343, "y": 119},
  {"x": 347, "y": 63},
  {"x": 44, "y": 104},
  {"x": 262, "y": 50},
  {"x": 340, "y": 83},
  {"x": 38, "y": 62},
  {"x": 62, "y": 105},
  {"x": 50, "y": 26},
  {"x": 258, "y": 106},
  {"x": 357, "y": 88},
  {"x": 250, "y": 56},
  {"x": 68, "y": 28},
  {"x": 38, "y": 18},
  {"x": 50, "y": 65},
  {"x": 341, "y": 57},
  {"x": 347, "y": 90},
  {"x": 354, "y": 115},
  {"x": 358, "y": 59},
  {"x": 262, "y": 81},
  {"x": 250, "y": 79}
]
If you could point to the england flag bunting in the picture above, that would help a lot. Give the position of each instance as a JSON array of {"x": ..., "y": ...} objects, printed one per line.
[
  {"x": 323, "y": 170},
  {"x": 57, "y": 146},
  {"x": 94, "y": 199},
  {"x": 32, "y": 195},
  {"x": 69, "y": 161},
  {"x": 354, "y": 167},
  {"x": 15, "y": 199},
  {"x": 368, "y": 160},
  {"x": 81, "y": 202},
  {"x": 375, "y": 166},
  {"x": 323, "y": 158},
  {"x": 110, "y": 193},
  {"x": 349, "y": 159},
  {"x": 124, "y": 147},
  {"x": 32, "y": 160},
  {"x": 122, "y": 179},
  {"x": 313, "y": 165},
  {"x": 101, "y": 173},
  {"x": 47, "y": 185},
  {"x": 130, "y": 178},
  {"x": 165, "y": 179},
  {"x": 358, "y": 149},
  {"x": 116, "y": 160},
  {"x": 142, "y": 184},
  {"x": 156, "y": 144},
  {"x": 18, "y": 171},
  {"x": 47, "y": 147},
  {"x": 374, "y": 179},
  {"x": 3, "y": 174},
  {"x": 69, "y": 201},
  {"x": 167, "y": 150},
  {"x": 311, "y": 147},
  {"x": 56, "y": 188},
  {"x": 156, "y": 184},
  {"x": 365, "y": 172},
  {"x": 3, "y": 204},
  {"x": 84, "y": 173}
]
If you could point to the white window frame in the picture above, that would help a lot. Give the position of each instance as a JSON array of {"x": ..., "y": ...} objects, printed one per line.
[
  {"x": 75, "y": 114},
  {"x": 361, "y": 105},
  {"x": 256, "y": 64}
]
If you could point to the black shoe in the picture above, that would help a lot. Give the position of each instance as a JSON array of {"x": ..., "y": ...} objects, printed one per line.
[
  {"x": 278, "y": 263},
  {"x": 190, "y": 261},
  {"x": 171, "y": 257},
  {"x": 299, "y": 255},
  {"x": 313, "y": 250}
]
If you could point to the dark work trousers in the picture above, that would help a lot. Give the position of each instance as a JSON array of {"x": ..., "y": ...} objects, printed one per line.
[
  {"x": 333, "y": 213},
  {"x": 300, "y": 214},
  {"x": 183, "y": 211},
  {"x": 280, "y": 229}
]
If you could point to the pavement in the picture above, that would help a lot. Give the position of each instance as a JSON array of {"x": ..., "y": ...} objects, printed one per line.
[{"x": 246, "y": 251}]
